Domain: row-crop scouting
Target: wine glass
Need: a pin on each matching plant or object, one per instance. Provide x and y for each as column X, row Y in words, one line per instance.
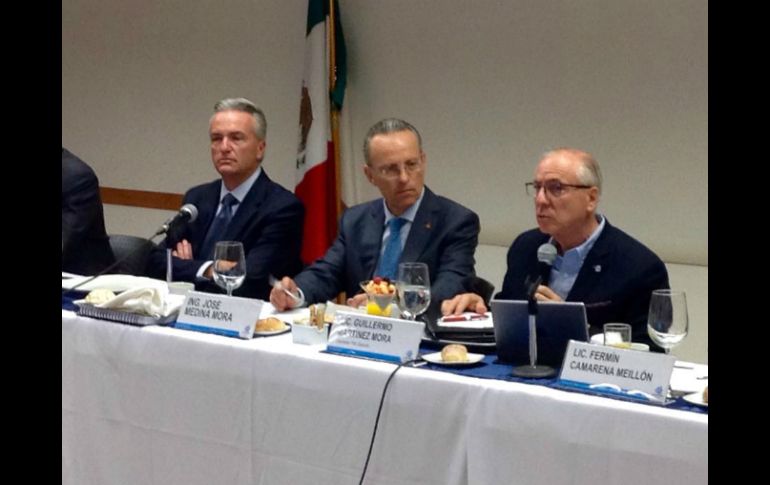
column 413, row 286
column 667, row 320
column 229, row 265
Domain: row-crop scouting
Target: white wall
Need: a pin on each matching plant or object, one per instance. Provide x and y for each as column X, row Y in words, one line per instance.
column 491, row 84
column 140, row 79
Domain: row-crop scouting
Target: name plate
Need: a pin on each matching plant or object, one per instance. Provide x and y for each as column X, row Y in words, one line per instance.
column 375, row 337
column 232, row 316
column 627, row 373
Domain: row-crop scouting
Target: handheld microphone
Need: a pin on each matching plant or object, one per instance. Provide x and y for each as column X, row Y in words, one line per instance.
column 187, row 213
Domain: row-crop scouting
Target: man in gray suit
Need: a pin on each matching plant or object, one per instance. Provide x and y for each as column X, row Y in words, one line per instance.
column 427, row 227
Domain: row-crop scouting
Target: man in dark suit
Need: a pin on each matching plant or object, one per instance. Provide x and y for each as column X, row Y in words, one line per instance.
column 596, row 263
column 85, row 247
column 432, row 229
column 245, row 205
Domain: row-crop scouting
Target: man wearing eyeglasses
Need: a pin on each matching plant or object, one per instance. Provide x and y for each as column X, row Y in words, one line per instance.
column 596, row 263
column 409, row 224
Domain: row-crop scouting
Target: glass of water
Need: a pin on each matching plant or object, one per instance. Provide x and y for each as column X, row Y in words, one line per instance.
column 413, row 286
column 229, row 265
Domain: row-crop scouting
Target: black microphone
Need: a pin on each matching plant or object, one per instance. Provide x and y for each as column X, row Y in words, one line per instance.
column 546, row 254
column 187, row 213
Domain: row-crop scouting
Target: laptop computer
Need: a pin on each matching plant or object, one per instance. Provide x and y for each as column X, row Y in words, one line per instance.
column 557, row 324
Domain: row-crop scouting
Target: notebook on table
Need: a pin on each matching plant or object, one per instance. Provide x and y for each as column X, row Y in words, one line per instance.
column 470, row 329
column 557, row 323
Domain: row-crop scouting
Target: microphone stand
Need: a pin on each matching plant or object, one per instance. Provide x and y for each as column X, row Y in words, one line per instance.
column 533, row 371
column 107, row 269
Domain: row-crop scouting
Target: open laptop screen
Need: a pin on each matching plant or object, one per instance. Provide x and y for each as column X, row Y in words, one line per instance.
column 557, row 323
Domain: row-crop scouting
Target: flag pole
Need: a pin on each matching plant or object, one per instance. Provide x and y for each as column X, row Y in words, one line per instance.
column 333, row 111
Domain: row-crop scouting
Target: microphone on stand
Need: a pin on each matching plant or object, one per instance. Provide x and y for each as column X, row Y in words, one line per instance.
column 186, row 213
column 546, row 254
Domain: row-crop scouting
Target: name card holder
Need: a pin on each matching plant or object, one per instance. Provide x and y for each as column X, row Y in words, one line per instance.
column 375, row 337
column 624, row 373
column 231, row 316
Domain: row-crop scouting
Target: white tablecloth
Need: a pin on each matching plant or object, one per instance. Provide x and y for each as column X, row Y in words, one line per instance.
column 158, row 405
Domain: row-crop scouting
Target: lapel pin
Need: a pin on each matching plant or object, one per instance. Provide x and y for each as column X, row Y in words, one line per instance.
column 598, row 268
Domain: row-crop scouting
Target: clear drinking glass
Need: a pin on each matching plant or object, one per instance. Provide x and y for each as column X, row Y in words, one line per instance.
column 667, row 320
column 229, row 265
column 617, row 335
column 413, row 286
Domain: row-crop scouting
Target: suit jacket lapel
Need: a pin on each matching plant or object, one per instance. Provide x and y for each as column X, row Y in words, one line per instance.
column 248, row 208
column 595, row 264
column 422, row 228
column 207, row 209
column 371, row 238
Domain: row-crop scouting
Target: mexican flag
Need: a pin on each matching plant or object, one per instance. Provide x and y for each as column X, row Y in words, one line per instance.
column 323, row 89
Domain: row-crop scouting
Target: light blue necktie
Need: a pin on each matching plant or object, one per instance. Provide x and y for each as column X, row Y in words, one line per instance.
column 218, row 227
column 388, row 266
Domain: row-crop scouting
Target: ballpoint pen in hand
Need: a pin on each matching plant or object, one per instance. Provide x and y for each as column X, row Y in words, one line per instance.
column 276, row 283
column 464, row 318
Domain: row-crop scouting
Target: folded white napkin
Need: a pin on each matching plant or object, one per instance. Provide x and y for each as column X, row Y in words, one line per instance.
column 154, row 300
column 332, row 308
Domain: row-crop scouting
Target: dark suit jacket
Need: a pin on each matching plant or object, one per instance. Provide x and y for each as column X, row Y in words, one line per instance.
column 444, row 235
column 85, row 247
column 615, row 282
column 268, row 222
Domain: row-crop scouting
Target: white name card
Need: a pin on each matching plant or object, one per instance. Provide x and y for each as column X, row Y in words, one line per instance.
column 635, row 374
column 220, row 314
column 375, row 337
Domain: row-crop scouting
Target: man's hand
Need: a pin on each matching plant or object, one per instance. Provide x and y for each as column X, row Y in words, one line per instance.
column 357, row 301
column 462, row 302
column 222, row 265
column 279, row 297
column 543, row 293
column 183, row 250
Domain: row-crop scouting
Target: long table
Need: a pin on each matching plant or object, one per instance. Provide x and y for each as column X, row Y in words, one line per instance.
column 158, row 405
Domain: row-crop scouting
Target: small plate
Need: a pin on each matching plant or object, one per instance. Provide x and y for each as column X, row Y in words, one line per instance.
column 287, row 328
column 435, row 358
column 696, row 398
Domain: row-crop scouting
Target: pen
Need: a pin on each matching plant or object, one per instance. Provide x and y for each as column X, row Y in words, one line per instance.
column 463, row 318
column 275, row 283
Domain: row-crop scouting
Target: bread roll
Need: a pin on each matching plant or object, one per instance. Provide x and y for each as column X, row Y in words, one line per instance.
column 454, row 353
column 269, row 324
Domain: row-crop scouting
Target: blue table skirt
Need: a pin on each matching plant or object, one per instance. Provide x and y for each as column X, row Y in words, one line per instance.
column 491, row 368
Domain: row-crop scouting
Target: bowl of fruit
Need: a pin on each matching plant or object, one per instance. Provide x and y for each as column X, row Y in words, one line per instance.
column 380, row 292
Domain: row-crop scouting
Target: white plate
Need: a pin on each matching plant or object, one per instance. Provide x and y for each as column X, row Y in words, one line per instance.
column 435, row 358
column 274, row 332
column 696, row 398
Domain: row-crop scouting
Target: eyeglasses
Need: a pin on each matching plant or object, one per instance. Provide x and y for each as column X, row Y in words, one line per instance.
column 394, row 171
column 553, row 188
